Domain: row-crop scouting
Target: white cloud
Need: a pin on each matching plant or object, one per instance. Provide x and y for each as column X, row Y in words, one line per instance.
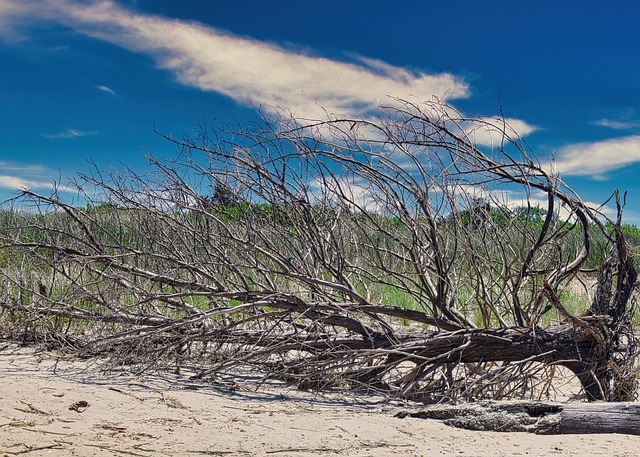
column 597, row 158
column 69, row 133
column 491, row 131
column 106, row 89
column 10, row 13
column 23, row 168
column 19, row 176
column 18, row 183
column 354, row 192
column 617, row 125
column 519, row 198
column 245, row 69
column 255, row 72
column 539, row 199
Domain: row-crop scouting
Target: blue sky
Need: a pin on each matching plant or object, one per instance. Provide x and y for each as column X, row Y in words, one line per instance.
column 84, row 80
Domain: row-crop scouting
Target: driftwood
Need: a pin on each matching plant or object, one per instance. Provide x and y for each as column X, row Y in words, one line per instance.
column 542, row 418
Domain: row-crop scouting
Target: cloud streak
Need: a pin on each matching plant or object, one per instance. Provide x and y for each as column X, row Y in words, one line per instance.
column 249, row 71
column 617, row 125
column 106, row 89
column 70, row 133
column 18, row 176
column 19, row 183
column 491, row 131
column 597, row 158
column 244, row 69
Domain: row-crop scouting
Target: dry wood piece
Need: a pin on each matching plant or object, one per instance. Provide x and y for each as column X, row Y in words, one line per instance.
column 537, row 417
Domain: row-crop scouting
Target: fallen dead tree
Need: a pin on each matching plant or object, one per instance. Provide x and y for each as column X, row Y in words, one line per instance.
column 537, row 417
column 395, row 256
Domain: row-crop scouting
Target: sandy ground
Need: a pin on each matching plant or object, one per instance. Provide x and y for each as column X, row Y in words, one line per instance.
column 51, row 407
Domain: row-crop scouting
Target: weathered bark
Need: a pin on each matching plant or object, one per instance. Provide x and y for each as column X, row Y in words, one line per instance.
column 538, row 417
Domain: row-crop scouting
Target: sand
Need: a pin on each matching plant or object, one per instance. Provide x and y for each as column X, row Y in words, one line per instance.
column 53, row 407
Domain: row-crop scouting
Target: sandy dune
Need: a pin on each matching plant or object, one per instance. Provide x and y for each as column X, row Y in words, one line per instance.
column 52, row 407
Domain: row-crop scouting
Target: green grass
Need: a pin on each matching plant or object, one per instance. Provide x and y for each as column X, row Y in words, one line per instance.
column 365, row 248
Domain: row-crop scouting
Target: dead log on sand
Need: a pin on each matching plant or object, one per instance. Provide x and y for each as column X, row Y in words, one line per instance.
column 543, row 418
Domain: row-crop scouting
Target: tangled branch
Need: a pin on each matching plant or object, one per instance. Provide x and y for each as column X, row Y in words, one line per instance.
column 396, row 255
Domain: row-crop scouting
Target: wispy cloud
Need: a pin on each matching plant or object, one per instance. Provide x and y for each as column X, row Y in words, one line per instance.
column 106, row 89
column 21, row 167
column 19, row 176
column 245, row 69
column 17, row 183
column 516, row 198
column 250, row 71
column 597, row 158
column 70, row 133
column 355, row 192
column 491, row 131
column 618, row 125
column 12, row 13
